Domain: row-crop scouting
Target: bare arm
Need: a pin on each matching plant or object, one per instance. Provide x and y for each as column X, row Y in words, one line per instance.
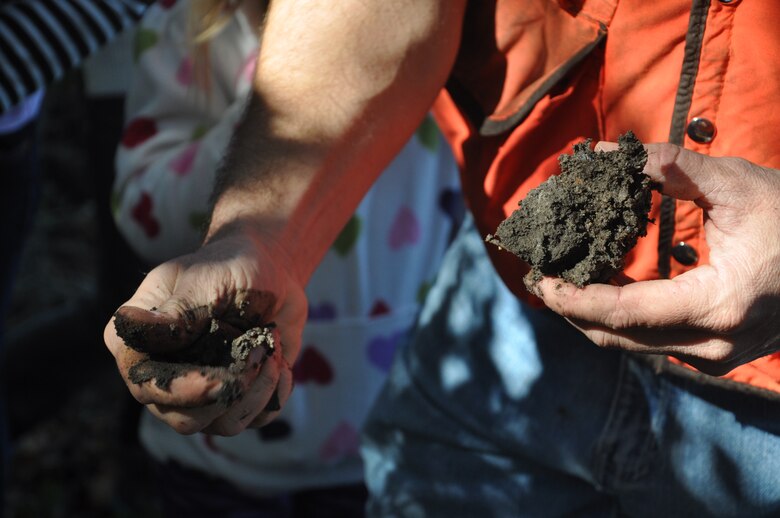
column 340, row 86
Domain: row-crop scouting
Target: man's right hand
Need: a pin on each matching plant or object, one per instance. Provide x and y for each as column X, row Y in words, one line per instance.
column 237, row 279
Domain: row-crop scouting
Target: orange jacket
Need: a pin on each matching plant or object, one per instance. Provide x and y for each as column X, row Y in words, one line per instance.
column 534, row 77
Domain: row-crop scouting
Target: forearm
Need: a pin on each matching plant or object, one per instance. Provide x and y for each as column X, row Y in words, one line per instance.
column 339, row 89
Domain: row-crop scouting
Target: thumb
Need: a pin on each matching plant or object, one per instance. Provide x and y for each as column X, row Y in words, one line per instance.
column 162, row 330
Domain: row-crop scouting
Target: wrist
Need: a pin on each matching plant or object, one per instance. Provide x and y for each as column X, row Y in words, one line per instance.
column 257, row 233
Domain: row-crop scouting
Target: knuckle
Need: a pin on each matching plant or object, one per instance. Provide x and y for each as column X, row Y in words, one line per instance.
column 185, row 426
column 227, row 427
column 667, row 155
column 621, row 319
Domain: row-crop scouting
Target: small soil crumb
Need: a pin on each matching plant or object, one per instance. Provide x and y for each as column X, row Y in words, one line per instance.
column 221, row 353
column 580, row 224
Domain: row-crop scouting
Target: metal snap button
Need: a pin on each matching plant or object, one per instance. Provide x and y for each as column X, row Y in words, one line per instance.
column 685, row 254
column 701, row 130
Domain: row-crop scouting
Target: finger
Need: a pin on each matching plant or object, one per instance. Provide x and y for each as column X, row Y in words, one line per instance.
column 684, row 301
column 605, row 146
column 112, row 340
column 710, row 354
column 189, row 381
column 289, row 318
column 652, row 341
column 157, row 331
column 186, row 421
column 283, row 392
column 201, row 386
column 254, row 400
column 230, row 405
column 688, row 175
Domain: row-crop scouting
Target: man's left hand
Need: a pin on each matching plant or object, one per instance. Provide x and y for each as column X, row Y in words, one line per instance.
column 717, row 316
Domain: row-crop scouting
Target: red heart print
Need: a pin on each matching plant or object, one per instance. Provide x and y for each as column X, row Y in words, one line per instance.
column 142, row 214
column 312, row 366
column 138, row 131
column 380, row 307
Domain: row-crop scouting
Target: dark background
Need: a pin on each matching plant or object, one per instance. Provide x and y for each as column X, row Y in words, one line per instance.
column 72, row 419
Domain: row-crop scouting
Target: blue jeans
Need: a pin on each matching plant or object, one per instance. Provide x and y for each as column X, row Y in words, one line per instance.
column 498, row 409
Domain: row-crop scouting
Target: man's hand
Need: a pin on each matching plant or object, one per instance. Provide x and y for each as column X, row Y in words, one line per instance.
column 239, row 282
column 714, row 317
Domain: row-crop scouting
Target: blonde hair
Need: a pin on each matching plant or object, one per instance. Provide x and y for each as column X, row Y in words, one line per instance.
column 207, row 18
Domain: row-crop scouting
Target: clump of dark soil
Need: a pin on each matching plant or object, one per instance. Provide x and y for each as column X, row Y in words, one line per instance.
column 220, row 352
column 580, row 224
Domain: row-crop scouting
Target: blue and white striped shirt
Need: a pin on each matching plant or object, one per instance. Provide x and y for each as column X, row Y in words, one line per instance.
column 40, row 40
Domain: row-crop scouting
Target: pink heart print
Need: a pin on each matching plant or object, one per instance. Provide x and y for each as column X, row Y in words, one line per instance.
column 182, row 164
column 184, row 74
column 138, row 131
column 405, row 229
column 247, row 70
column 343, row 442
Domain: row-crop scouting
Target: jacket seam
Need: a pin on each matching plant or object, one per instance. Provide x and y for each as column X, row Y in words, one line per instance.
column 492, row 127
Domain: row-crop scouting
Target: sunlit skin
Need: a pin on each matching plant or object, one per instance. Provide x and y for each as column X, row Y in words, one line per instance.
column 329, row 78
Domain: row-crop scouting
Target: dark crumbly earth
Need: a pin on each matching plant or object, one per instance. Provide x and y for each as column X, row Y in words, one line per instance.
column 222, row 352
column 580, row 224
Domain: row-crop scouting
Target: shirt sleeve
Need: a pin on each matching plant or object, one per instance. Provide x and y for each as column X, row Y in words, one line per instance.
column 175, row 134
column 40, row 40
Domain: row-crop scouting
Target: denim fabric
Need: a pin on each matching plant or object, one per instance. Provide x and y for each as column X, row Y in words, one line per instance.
column 498, row 409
